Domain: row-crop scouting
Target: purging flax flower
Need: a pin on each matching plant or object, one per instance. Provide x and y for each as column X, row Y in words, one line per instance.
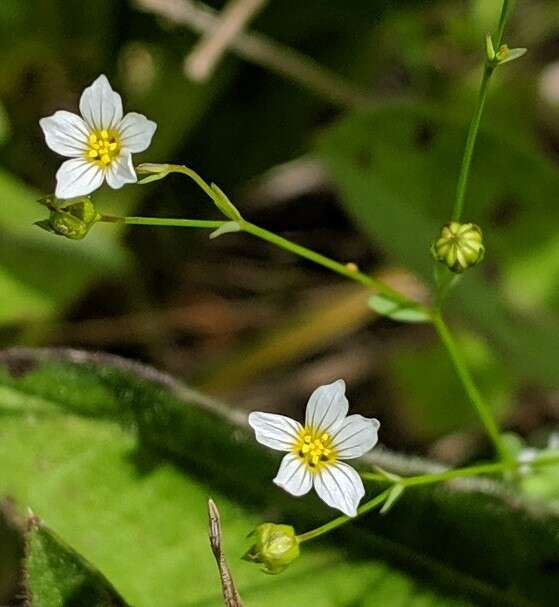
column 99, row 143
column 315, row 450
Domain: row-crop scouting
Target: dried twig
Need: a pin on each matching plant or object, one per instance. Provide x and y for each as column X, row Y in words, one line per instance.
column 202, row 60
column 263, row 51
column 230, row 594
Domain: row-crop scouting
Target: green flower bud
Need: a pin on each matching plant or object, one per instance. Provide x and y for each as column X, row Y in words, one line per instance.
column 276, row 547
column 459, row 246
column 73, row 220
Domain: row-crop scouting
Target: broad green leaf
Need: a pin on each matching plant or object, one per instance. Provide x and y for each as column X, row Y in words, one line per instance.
column 116, row 457
column 396, row 168
column 57, row 576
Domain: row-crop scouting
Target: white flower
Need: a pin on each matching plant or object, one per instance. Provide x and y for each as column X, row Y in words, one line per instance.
column 100, row 142
column 315, row 450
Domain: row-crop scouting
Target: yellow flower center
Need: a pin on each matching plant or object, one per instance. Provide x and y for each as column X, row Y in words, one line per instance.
column 104, row 147
column 314, row 448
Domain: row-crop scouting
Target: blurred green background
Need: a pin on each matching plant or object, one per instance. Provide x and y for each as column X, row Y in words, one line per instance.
column 339, row 125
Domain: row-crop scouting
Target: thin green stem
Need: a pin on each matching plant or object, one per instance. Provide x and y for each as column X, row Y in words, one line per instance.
column 505, row 12
column 542, row 460
column 178, row 223
column 481, row 407
column 345, row 270
column 471, row 144
column 324, row 261
column 476, row 120
column 279, row 241
column 342, row 520
column 447, row 475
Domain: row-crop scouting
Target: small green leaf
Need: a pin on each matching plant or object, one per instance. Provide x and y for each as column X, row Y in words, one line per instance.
column 396, row 310
column 224, row 204
column 489, row 48
column 226, row 228
column 57, row 576
column 392, row 498
column 389, row 476
column 505, row 54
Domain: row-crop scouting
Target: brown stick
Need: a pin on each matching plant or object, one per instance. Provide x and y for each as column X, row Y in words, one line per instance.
column 230, row 594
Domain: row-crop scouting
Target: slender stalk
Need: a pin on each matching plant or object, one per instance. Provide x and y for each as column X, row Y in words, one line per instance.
column 470, row 145
column 178, row 223
column 324, row 261
column 505, row 12
column 447, row 475
column 284, row 243
column 476, row 120
column 477, row 400
column 342, row 520
column 544, row 459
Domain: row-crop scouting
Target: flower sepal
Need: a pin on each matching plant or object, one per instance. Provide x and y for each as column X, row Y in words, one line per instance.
column 73, row 220
column 153, row 171
column 275, row 547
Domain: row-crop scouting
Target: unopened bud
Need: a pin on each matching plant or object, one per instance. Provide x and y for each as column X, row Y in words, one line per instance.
column 276, row 546
column 73, row 220
column 459, row 246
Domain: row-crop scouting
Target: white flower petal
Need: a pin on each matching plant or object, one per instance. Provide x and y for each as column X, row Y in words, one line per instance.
column 121, row 171
column 274, row 431
column 355, row 436
column 136, row 132
column 100, row 106
column 77, row 177
column 65, row 133
column 341, row 487
column 327, row 406
column 294, row 476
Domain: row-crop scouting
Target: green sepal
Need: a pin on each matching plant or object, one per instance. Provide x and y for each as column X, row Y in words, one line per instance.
column 153, row 172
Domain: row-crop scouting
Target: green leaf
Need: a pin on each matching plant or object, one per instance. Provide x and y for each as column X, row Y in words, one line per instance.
column 393, row 497
column 227, row 228
column 396, row 168
column 398, row 311
column 224, row 204
column 120, row 461
column 57, row 576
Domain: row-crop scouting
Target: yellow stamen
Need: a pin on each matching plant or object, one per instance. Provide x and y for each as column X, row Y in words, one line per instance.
column 104, row 147
column 314, row 449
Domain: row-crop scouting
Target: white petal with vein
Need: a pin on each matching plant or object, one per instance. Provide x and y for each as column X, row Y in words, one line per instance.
column 355, row 436
column 136, row 132
column 121, row 171
column 275, row 431
column 65, row 133
column 294, row 476
column 77, row 177
column 327, row 407
column 341, row 487
column 100, row 106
